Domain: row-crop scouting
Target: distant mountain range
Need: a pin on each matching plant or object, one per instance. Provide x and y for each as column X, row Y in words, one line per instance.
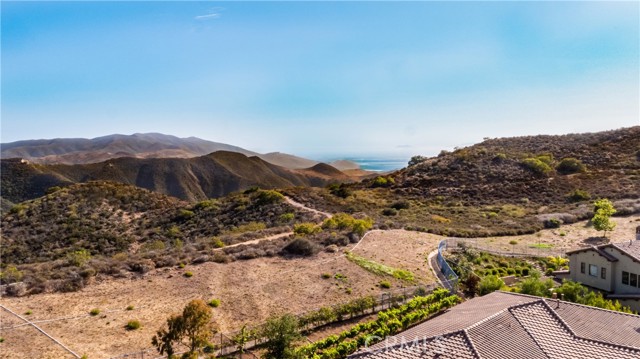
column 140, row 145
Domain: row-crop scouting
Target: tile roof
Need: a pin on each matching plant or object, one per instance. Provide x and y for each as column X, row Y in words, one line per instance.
column 464, row 315
column 494, row 338
column 508, row 325
column 599, row 249
column 453, row 345
column 599, row 324
column 631, row 248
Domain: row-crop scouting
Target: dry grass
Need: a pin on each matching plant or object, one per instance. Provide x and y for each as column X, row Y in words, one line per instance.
column 249, row 291
column 566, row 237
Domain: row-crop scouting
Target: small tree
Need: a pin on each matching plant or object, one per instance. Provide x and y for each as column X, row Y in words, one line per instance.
column 416, row 159
column 193, row 328
column 241, row 339
column 602, row 218
column 513, row 245
column 489, row 284
column 281, row 334
column 471, row 285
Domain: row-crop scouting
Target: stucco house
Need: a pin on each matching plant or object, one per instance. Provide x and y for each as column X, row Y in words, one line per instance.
column 613, row 268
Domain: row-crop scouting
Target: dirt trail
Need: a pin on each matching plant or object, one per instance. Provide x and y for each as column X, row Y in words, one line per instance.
column 303, row 207
column 280, row 235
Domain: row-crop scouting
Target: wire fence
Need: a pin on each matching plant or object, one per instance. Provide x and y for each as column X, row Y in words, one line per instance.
column 227, row 343
column 516, row 250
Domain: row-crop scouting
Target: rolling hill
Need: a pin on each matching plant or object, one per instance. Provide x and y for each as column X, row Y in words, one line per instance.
column 210, row 176
column 500, row 186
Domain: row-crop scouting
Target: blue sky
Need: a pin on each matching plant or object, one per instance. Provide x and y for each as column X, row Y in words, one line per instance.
column 320, row 78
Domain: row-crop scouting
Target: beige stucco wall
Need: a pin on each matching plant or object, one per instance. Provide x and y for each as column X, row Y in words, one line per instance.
column 591, row 257
column 624, row 263
column 634, row 304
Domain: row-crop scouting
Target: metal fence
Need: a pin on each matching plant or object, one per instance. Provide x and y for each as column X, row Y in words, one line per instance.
column 450, row 277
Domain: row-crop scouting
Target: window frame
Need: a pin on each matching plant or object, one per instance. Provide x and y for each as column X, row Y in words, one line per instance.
column 633, row 280
column 627, row 275
column 594, row 270
column 603, row 273
column 582, row 267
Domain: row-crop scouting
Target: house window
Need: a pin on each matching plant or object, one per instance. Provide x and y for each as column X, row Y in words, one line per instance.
column 633, row 279
column 593, row 270
column 582, row 267
column 603, row 273
column 625, row 277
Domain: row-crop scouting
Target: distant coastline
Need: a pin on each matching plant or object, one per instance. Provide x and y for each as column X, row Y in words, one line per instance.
column 378, row 164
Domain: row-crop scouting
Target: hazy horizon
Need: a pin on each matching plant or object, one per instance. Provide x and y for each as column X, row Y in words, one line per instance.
column 316, row 79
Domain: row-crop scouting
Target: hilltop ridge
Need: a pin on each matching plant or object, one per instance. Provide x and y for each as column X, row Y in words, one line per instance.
column 192, row 179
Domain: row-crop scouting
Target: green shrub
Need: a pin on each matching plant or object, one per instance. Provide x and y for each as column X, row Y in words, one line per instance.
column 188, row 274
column 130, row 307
column 156, row 245
column 341, row 190
column 28, row 312
column 489, row 284
column 578, row 195
column 403, row 204
column 306, row 228
column 215, row 303
column 385, row 284
column 133, row 325
column 326, row 275
column 552, row 223
column 389, row 212
column 94, row 312
column 571, row 165
column 264, row 197
column 287, row 217
column 536, row 166
column 184, row 214
column 205, row 204
column 382, row 181
column 79, row 258
column 217, row 242
column 546, row 158
column 11, row 274
column 301, row 247
column 499, row 157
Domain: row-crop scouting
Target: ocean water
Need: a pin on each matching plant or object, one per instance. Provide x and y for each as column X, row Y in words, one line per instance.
column 380, row 164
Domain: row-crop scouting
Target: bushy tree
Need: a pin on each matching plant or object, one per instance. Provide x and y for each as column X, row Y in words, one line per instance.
column 471, row 285
column 535, row 286
column 602, row 217
column 193, row 328
column 416, row 159
column 281, row 333
column 489, row 284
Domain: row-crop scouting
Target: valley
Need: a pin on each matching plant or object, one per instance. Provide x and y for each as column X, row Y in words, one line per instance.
column 95, row 246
